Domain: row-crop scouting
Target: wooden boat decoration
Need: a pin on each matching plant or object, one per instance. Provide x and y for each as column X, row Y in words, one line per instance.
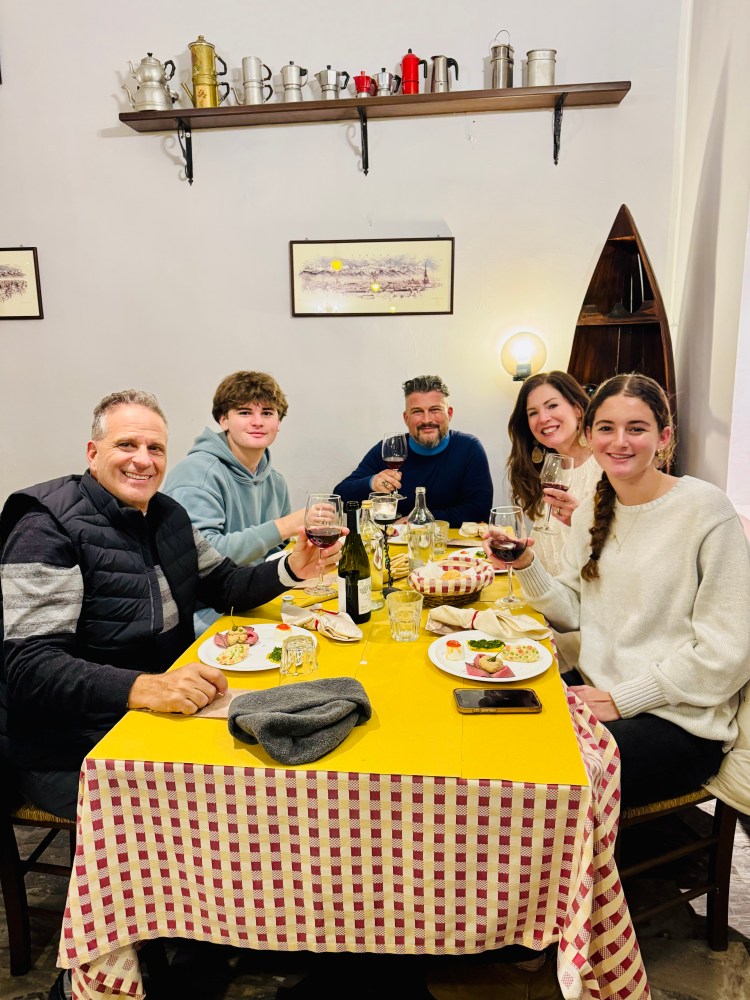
column 623, row 325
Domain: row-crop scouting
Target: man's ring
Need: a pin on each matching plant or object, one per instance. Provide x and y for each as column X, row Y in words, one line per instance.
column 558, row 511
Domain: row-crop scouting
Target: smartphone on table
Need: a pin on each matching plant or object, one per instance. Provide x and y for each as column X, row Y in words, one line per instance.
column 496, row 701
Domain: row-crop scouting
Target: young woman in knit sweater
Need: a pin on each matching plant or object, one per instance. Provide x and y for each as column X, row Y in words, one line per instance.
column 656, row 575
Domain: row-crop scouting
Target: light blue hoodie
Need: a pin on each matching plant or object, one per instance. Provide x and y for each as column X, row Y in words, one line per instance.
column 233, row 508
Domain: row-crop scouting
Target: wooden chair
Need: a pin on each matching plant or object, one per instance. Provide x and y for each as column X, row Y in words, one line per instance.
column 14, row 868
column 717, row 845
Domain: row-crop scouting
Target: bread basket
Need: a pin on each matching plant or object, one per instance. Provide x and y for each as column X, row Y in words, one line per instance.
column 476, row 574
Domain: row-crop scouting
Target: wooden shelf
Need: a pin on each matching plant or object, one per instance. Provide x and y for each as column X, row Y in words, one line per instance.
column 363, row 110
column 648, row 313
column 466, row 102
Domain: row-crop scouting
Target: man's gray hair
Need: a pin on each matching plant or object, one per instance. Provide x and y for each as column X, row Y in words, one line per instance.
column 425, row 383
column 126, row 397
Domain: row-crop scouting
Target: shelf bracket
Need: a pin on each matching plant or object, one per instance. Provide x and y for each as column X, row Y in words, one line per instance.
column 363, row 129
column 185, row 138
column 557, row 126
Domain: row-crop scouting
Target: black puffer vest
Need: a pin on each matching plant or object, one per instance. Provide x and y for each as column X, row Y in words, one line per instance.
column 121, row 616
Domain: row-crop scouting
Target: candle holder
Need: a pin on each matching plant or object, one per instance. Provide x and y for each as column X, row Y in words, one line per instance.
column 385, row 512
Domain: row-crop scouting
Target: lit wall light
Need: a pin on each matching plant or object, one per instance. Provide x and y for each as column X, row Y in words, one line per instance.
column 523, row 354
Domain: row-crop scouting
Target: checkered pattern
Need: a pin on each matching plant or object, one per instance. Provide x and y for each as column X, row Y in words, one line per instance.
column 327, row 861
column 477, row 574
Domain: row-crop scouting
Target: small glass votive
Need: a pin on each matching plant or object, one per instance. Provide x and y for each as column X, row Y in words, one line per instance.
column 440, row 538
column 384, row 506
column 404, row 614
column 299, row 658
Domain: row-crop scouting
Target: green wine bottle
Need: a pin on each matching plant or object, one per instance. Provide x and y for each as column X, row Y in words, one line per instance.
column 355, row 585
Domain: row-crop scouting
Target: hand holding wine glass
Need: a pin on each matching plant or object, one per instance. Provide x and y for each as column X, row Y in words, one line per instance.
column 324, row 523
column 394, row 451
column 557, row 474
column 507, row 542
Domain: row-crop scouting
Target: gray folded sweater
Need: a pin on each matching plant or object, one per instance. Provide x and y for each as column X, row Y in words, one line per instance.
column 301, row 722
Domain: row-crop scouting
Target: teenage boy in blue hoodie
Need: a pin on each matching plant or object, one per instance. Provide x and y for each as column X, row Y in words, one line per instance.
column 227, row 484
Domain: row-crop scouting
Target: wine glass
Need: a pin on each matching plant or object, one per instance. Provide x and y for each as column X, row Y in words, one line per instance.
column 324, row 519
column 394, row 450
column 557, row 472
column 507, row 538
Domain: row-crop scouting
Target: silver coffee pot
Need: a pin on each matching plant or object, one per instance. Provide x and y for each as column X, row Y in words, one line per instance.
column 440, row 83
column 502, row 62
column 332, row 82
column 255, row 81
column 294, row 79
column 152, row 77
column 388, row 83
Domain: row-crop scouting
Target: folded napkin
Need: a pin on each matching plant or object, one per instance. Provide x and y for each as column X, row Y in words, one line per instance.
column 302, row 722
column 502, row 624
column 330, row 624
column 472, row 529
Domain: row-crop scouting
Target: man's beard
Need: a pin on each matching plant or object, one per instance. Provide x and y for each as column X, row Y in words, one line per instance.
column 442, row 431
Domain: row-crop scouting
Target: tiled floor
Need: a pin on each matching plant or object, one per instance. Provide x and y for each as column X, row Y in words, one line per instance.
column 679, row 963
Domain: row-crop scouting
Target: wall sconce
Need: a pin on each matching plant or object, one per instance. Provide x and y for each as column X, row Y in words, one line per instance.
column 523, row 354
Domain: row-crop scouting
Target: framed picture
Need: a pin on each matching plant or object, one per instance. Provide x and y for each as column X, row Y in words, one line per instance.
column 20, row 291
column 372, row 277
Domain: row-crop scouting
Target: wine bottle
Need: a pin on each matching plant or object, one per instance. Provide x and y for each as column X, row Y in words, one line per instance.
column 420, row 526
column 372, row 539
column 355, row 585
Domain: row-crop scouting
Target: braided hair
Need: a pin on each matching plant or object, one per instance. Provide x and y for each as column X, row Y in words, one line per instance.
column 523, row 474
column 651, row 393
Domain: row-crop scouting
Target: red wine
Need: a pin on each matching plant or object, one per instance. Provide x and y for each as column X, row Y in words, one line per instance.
column 394, row 463
column 324, row 535
column 555, row 486
column 507, row 549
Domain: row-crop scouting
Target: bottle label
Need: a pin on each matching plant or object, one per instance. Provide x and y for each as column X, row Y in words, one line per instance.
column 362, row 596
column 365, row 596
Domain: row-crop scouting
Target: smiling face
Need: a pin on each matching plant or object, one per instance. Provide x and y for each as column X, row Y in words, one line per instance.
column 131, row 458
column 428, row 417
column 250, row 430
column 553, row 420
column 625, row 437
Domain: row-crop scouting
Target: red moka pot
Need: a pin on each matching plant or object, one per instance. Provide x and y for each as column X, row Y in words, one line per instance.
column 364, row 85
column 410, row 72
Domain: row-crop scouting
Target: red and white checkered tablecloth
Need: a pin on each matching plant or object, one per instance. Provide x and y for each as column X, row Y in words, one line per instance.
column 327, row 861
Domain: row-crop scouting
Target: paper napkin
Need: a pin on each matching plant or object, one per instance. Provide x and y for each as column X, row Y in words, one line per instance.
column 502, row 624
column 333, row 625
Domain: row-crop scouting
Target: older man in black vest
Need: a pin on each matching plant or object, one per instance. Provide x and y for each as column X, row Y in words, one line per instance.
column 100, row 575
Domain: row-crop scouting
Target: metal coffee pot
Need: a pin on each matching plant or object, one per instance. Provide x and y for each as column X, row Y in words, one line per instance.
column 294, row 79
column 410, row 72
column 206, row 89
column 364, row 85
column 332, row 82
column 387, row 83
column 502, row 62
column 440, row 82
column 254, row 82
column 152, row 77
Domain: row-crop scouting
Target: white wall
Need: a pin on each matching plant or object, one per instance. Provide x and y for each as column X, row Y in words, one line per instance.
column 151, row 283
column 712, row 228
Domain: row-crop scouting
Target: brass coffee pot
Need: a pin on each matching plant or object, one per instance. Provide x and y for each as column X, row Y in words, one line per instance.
column 205, row 92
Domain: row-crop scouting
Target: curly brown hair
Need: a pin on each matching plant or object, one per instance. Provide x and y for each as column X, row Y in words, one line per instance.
column 241, row 388
column 523, row 475
column 651, row 393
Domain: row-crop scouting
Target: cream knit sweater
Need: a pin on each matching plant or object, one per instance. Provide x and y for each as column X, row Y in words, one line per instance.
column 666, row 627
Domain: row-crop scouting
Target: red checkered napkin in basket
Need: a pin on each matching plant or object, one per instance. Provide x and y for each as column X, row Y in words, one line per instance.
column 475, row 574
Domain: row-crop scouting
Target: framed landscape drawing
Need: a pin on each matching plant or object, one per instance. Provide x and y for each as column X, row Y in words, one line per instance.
column 372, row 277
column 20, row 291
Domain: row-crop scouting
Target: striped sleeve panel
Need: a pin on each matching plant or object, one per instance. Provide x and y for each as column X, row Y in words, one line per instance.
column 208, row 557
column 39, row 599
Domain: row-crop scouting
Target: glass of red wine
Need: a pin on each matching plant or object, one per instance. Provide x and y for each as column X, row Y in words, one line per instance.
column 324, row 520
column 507, row 538
column 394, row 450
column 557, row 473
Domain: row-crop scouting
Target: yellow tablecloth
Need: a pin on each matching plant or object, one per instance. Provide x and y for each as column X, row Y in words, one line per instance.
column 425, row 832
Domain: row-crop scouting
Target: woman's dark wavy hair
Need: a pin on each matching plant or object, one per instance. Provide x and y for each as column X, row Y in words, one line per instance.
column 523, row 475
column 651, row 393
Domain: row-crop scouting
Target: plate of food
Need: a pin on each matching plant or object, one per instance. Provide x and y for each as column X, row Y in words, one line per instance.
column 397, row 533
column 476, row 554
column 248, row 648
column 478, row 656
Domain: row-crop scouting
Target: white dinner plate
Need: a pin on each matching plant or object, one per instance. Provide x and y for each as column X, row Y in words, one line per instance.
column 269, row 636
column 521, row 671
column 397, row 536
column 475, row 553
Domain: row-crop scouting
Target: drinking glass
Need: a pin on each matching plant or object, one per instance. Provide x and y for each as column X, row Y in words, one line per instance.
column 440, row 538
column 557, row 472
column 404, row 614
column 394, row 450
column 298, row 658
column 507, row 538
column 324, row 520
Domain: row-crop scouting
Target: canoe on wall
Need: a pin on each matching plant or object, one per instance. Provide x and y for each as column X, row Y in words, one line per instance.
column 623, row 326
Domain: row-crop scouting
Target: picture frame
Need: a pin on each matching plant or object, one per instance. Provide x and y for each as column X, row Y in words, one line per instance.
column 20, row 290
column 375, row 277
